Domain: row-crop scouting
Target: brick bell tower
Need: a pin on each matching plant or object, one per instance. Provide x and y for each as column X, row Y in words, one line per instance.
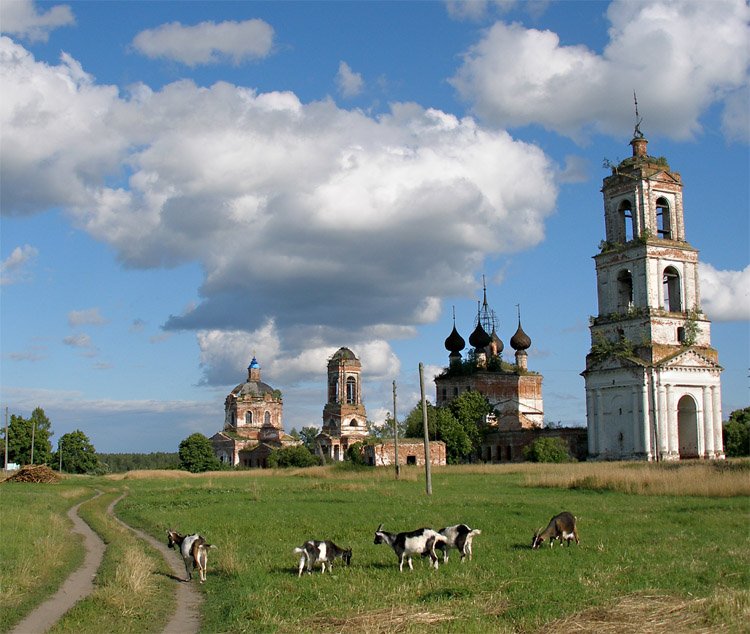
column 653, row 389
column 344, row 416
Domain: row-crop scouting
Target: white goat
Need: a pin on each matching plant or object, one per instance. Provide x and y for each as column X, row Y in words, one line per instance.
column 562, row 526
column 194, row 551
column 418, row 542
column 325, row 552
column 459, row 537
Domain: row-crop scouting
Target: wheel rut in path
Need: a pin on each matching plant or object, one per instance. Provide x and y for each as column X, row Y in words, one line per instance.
column 186, row 619
column 78, row 585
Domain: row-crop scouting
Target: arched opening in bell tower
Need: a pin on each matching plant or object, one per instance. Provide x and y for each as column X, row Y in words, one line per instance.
column 626, row 216
column 351, row 390
column 671, row 286
column 663, row 222
column 624, row 290
column 687, row 427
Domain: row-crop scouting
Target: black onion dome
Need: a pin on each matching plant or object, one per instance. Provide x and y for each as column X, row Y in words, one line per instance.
column 454, row 342
column 520, row 341
column 479, row 338
column 498, row 342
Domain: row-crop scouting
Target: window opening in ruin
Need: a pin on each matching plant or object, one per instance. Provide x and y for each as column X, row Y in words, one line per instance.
column 680, row 334
column 333, row 389
column 671, row 285
column 353, row 423
column 267, row 417
column 351, row 390
column 624, row 290
column 411, row 460
column 663, row 224
column 248, row 418
column 626, row 213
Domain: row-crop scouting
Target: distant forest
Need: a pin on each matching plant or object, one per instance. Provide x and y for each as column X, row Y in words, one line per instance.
column 121, row 462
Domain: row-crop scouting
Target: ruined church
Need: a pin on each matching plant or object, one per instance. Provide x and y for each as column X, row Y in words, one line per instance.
column 514, row 391
column 653, row 388
column 252, row 423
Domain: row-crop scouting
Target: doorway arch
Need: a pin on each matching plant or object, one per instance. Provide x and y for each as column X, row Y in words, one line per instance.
column 687, row 427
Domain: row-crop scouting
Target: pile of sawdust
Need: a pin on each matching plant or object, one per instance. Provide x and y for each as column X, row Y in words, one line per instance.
column 40, row 473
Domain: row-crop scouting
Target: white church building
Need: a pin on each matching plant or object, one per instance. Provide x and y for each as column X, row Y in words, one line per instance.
column 653, row 387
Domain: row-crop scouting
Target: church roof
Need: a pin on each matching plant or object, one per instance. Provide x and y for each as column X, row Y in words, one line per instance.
column 345, row 354
column 252, row 388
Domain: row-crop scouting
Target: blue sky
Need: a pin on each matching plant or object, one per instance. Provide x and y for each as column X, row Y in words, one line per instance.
column 185, row 185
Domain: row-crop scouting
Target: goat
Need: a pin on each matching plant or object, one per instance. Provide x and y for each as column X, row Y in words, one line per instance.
column 419, row 542
column 459, row 537
column 561, row 526
column 194, row 551
column 325, row 552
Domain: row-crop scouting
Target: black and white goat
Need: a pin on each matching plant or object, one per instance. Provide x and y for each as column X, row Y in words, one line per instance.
column 325, row 552
column 561, row 526
column 459, row 537
column 419, row 542
column 194, row 551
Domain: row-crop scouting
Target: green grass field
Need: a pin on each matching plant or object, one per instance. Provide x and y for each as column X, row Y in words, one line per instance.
column 672, row 559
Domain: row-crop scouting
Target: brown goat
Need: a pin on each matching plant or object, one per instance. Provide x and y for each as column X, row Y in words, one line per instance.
column 561, row 526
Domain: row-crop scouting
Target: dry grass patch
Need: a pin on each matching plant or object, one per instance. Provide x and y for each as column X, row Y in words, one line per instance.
column 725, row 611
column 684, row 478
column 395, row 619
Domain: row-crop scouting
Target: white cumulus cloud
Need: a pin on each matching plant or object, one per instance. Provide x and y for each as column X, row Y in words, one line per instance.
column 22, row 19
column 14, row 268
column 328, row 223
column 89, row 316
column 207, row 42
column 725, row 295
column 681, row 57
column 349, row 83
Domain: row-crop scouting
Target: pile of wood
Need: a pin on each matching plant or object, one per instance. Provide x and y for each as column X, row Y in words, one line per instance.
column 35, row 473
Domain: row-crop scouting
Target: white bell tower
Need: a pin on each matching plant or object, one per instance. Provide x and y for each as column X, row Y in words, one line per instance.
column 653, row 388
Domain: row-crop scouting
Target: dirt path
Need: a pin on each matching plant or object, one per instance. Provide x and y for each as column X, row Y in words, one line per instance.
column 186, row 619
column 77, row 586
column 80, row 583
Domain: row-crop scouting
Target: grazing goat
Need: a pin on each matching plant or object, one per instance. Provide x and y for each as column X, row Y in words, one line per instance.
column 562, row 527
column 194, row 551
column 459, row 537
column 419, row 542
column 325, row 552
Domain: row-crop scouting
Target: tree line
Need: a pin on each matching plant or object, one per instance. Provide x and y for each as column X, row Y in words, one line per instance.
column 458, row 425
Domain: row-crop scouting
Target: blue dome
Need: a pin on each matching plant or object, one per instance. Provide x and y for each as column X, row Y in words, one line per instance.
column 253, row 364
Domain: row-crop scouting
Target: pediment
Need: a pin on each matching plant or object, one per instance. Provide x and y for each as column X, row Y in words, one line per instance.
column 689, row 359
column 616, row 362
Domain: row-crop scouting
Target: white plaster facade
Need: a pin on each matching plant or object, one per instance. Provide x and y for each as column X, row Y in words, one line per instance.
column 653, row 387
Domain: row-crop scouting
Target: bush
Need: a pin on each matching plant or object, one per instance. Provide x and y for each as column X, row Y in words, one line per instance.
column 737, row 434
column 197, row 454
column 295, row 456
column 356, row 453
column 547, row 450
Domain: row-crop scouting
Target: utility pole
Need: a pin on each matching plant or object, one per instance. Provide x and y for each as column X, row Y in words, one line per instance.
column 33, row 433
column 395, row 433
column 6, row 438
column 427, row 472
column 59, row 451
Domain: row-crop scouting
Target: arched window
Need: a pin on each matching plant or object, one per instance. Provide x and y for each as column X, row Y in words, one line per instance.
column 267, row 418
column 248, row 418
column 333, row 390
column 663, row 223
column 351, row 390
column 672, row 295
column 353, row 423
column 626, row 215
column 624, row 290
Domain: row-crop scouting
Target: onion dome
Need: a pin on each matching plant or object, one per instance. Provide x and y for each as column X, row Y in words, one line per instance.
column 454, row 342
column 479, row 338
column 520, row 340
column 497, row 343
column 254, row 365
